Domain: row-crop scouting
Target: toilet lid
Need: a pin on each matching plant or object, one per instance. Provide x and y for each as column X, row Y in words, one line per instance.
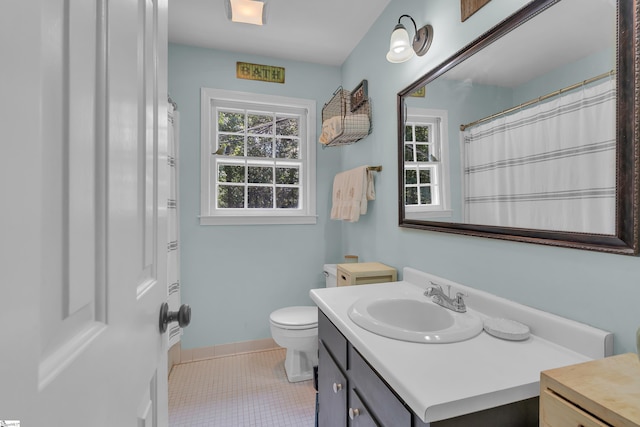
column 299, row 317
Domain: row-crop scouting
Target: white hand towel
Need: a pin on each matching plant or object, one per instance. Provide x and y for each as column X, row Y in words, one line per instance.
column 331, row 128
column 370, row 192
column 351, row 125
column 351, row 191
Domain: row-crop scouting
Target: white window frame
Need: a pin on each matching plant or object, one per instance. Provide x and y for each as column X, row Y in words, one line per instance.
column 209, row 214
column 440, row 120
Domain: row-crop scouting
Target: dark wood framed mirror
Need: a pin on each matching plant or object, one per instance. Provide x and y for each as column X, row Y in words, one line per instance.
column 533, row 60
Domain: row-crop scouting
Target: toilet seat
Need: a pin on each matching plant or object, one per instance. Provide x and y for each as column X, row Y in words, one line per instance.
column 298, row 317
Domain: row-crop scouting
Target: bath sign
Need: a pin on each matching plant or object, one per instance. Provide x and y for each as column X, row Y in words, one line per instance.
column 263, row 73
column 419, row 93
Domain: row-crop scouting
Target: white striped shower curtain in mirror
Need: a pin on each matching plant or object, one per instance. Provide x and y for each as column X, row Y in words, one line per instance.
column 551, row 166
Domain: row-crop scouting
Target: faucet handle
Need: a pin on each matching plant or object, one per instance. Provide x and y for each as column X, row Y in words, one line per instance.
column 459, row 302
column 435, row 285
column 459, row 296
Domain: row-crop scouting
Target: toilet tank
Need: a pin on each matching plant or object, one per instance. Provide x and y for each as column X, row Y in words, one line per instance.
column 331, row 275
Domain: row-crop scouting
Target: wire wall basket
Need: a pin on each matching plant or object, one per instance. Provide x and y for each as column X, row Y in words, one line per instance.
column 346, row 118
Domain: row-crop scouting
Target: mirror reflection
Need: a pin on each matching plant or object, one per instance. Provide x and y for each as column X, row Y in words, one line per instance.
column 521, row 134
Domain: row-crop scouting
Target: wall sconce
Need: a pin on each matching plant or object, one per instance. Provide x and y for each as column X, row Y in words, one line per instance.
column 246, row 11
column 401, row 50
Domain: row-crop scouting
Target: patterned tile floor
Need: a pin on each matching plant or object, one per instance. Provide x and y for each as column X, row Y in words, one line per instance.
column 246, row 390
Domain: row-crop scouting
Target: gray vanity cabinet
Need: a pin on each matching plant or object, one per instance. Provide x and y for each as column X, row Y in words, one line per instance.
column 350, row 392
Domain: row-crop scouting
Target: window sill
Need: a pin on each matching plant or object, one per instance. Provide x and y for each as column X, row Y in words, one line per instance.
column 259, row 220
column 428, row 214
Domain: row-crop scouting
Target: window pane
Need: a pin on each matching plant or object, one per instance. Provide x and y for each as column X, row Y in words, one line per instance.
column 411, row 196
column 287, row 126
column 230, row 122
column 233, row 145
column 410, row 177
column 408, row 153
column 422, row 152
column 228, row 173
column 260, row 197
column 422, row 134
column 260, row 123
column 287, row 176
column 287, row 198
column 230, row 196
column 260, row 175
column 425, row 176
column 287, row 148
column 259, row 147
column 425, row 195
column 408, row 133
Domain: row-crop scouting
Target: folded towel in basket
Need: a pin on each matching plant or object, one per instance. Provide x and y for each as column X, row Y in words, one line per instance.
column 350, row 125
column 351, row 191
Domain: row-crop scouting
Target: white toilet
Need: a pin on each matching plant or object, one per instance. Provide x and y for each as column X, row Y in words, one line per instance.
column 296, row 329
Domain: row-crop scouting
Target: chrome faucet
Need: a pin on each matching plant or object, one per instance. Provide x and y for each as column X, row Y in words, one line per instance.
column 439, row 297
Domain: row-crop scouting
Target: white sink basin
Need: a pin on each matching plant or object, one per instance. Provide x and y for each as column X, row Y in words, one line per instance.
column 414, row 320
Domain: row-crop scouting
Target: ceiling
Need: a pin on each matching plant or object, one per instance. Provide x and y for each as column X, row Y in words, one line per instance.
column 322, row 32
column 545, row 43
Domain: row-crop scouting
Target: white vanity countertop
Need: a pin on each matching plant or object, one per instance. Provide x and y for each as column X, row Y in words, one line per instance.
column 440, row 381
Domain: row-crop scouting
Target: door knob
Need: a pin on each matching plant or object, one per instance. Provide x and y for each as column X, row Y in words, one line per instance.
column 182, row 316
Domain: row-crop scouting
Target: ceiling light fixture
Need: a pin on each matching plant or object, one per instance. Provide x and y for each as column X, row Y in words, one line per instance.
column 246, row 11
column 400, row 49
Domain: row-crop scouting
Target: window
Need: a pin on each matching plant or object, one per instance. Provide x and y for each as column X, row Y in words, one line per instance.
column 426, row 165
column 258, row 159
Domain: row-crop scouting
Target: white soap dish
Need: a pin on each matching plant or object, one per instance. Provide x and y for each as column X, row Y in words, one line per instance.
column 506, row 329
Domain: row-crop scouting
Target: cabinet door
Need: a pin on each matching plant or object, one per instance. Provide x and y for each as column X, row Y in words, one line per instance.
column 359, row 414
column 334, row 341
column 332, row 392
column 384, row 405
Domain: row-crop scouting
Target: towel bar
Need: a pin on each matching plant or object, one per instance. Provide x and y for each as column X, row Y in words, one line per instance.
column 374, row 168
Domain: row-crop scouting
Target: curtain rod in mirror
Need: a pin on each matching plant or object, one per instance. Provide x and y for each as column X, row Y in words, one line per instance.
column 539, row 99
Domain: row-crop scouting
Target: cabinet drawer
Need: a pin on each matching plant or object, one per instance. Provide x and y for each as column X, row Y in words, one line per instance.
column 334, row 341
column 383, row 404
column 359, row 415
column 332, row 391
column 557, row 412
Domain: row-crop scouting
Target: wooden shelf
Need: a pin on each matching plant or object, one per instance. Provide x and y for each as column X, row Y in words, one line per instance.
column 365, row 273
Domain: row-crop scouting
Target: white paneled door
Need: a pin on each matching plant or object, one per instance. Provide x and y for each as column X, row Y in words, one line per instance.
column 83, row 259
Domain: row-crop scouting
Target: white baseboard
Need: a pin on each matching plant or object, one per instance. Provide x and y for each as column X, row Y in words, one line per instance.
column 222, row 350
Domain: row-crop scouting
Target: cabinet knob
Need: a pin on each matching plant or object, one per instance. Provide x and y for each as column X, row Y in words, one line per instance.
column 353, row 413
column 337, row 387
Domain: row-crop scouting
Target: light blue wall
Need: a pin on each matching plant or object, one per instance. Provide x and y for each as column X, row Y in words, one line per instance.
column 581, row 70
column 234, row 276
